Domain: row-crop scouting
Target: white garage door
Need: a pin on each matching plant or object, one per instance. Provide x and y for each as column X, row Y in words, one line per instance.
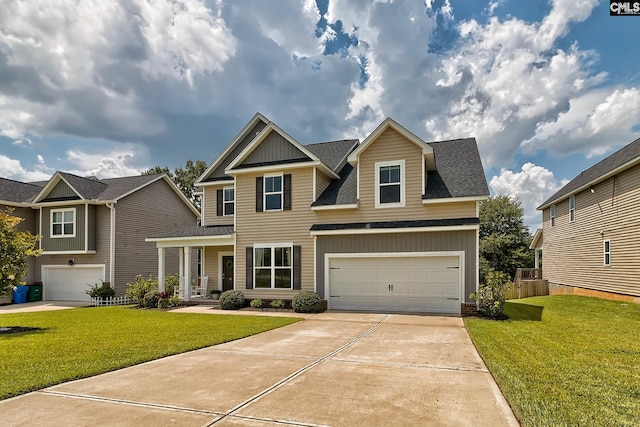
column 407, row 283
column 63, row 283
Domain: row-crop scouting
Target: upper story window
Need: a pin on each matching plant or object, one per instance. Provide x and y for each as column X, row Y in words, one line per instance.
column 273, row 193
column 228, row 201
column 572, row 208
column 552, row 215
column 63, row 222
column 390, row 184
column 273, row 266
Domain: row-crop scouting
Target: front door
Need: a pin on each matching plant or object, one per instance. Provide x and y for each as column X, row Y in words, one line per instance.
column 227, row 273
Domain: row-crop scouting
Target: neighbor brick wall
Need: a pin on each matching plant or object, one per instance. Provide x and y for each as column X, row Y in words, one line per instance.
column 468, row 310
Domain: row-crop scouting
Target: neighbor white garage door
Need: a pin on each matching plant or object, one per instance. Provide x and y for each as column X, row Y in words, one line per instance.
column 63, row 283
column 406, row 283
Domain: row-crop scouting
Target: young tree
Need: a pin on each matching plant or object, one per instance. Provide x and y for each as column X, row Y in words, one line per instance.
column 15, row 246
column 504, row 239
column 184, row 178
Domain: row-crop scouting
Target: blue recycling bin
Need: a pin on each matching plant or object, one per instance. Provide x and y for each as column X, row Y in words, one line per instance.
column 20, row 294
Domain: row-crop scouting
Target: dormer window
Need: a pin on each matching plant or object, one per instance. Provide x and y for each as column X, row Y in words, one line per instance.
column 390, row 184
column 63, row 222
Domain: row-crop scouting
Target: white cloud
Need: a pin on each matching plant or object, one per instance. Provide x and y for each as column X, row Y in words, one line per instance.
column 13, row 169
column 594, row 123
column 532, row 185
column 120, row 161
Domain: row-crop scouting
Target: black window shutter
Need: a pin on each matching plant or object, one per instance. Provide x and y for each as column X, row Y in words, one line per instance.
column 249, row 272
column 286, row 205
column 297, row 276
column 259, row 189
column 219, row 202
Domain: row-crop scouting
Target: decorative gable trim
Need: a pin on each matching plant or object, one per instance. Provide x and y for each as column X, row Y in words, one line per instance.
column 272, row 127
column 427, row 151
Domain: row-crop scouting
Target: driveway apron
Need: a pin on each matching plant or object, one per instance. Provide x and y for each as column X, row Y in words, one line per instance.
column 336, row 369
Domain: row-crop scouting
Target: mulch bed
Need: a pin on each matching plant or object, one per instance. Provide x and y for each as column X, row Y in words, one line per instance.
column 16, row 329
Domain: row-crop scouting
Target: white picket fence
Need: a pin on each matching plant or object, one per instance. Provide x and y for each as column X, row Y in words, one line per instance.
column 99, row 302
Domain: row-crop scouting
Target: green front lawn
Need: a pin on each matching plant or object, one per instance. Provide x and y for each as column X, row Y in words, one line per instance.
column 565, row 360
column 82, row 342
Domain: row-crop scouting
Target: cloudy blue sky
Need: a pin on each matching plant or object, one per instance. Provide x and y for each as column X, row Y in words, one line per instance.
column 547, row 87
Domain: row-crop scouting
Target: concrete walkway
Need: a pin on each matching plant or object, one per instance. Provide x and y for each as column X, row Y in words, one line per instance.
column 337, row 369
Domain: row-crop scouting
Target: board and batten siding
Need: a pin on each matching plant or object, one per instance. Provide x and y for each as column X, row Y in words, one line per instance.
column 152, row 210
column 61, row 189
column 219, row 171
column 274, row 148
column 573, row 252
column 401, row 242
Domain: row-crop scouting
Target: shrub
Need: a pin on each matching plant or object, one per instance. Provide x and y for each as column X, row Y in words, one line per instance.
column 171, row 283
column 150, row 300
column 175, row 301
column 256, row 303
column 163, row 299
column 277, row 303
column 137, row 290
column 306, row 302
column 102, row 291
column 231, row 300
column 491, row 295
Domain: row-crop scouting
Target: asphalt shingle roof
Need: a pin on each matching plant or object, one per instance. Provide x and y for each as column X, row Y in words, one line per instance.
column 343, row 191
column 625, row 155
column 17, row 192
column 333, row 153
column 200, row 231
column 396, row 224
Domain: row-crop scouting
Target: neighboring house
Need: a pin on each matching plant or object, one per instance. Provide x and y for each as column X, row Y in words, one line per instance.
column 390, row 224
column 590, row 236
column 93, row 230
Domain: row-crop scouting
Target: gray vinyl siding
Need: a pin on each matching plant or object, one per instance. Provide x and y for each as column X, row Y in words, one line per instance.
column 62, row 244
column 219, row 171
column 573, row 251
column 61, row 190
column 91, row 228
column 274, row 148
column 149, row 211
column 401, row 242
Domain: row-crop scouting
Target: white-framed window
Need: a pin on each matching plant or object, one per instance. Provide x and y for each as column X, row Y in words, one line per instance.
column 273, row 192
column 273, row 266
column 63, row 222
column 552, row 215
column 390, row 183
column 607, row 252
column 572, row 208
column 228, row 201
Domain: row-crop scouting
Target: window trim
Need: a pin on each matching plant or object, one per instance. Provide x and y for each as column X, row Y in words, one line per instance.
column 377, row 167
column 572, row 210
column 552, row 215
column 264, row 192
column 226, row 202
column 606, row 254
column 74, row 223
column 273, row 267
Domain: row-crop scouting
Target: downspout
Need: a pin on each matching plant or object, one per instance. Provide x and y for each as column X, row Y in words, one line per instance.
column 112, row 245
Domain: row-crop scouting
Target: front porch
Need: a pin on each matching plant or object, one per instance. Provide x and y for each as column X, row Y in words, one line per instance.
column 206, row 261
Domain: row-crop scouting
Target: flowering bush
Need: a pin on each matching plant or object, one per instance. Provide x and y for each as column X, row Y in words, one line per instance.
column 137, row 290
column 164, row 299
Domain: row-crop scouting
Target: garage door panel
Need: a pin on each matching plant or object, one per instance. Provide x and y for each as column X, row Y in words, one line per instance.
column 61, row 283
column 418, row 284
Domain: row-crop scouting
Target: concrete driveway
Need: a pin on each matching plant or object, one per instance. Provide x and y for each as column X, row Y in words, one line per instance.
column 337, row 369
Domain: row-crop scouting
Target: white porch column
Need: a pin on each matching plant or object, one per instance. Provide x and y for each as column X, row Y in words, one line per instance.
column 183, row 287
column 187, row 273
column 160, row 269
column 537, row 254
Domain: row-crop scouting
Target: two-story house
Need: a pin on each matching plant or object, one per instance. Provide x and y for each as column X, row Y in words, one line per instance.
column 93, row 230
column 388, row 224
column 588, row 238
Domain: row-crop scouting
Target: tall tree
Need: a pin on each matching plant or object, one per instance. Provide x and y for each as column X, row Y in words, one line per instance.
column 15, row 246
column 504, row 238
column 184, row 178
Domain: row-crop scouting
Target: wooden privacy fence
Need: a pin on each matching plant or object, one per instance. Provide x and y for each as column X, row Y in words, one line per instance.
column 528, row 283
column 99, row 302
